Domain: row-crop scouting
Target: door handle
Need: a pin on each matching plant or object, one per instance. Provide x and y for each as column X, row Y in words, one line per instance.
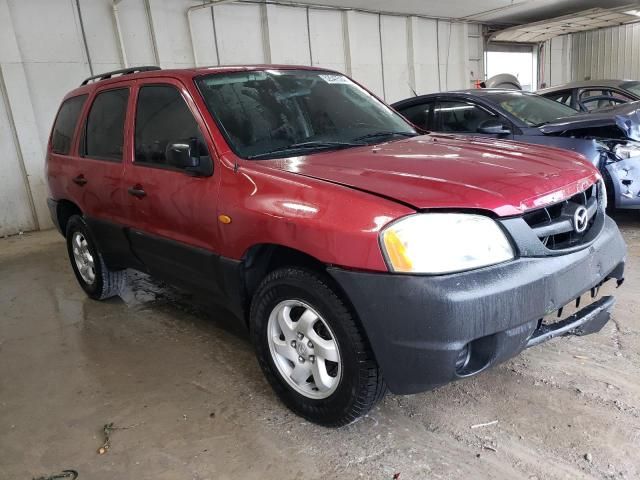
column 137, row 191
column 80, row 180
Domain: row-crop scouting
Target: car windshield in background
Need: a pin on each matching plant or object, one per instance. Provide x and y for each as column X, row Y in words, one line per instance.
column 534, row 110
column 633, row 87
column 280, row 113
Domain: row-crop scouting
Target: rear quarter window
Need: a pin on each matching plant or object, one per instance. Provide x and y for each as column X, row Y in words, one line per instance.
column 65, row 124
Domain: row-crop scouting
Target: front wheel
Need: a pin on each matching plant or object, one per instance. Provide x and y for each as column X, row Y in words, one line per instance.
column 312, row 350
column 95, row 278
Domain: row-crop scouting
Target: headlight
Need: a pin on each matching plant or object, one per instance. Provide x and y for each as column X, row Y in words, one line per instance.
column 628, row 150
column 436, row 243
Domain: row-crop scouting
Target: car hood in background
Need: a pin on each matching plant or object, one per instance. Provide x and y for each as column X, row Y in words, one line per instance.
column 442, row 171
column 626, row 117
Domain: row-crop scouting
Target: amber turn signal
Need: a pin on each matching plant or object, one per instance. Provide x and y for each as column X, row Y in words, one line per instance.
column 226, row 219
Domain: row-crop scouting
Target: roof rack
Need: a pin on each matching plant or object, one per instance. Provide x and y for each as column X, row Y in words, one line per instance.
column 124, row 71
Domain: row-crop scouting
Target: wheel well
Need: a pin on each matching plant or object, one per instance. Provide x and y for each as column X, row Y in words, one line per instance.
column 260, row 260
column 65, row 211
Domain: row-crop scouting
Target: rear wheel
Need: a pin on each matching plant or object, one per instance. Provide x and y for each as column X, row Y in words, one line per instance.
column 92, row 274
column 312, row 350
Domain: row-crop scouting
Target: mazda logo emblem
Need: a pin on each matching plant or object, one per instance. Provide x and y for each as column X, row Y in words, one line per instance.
column 580, row 219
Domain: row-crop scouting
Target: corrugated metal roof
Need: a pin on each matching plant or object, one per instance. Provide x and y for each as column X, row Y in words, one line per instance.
column 591, row 19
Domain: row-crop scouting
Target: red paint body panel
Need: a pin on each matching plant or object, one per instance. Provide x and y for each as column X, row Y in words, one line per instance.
column 334, row 224
column 329, row 205
column 506, row 178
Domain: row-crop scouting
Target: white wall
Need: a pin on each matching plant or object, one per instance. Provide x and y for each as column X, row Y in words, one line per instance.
column 42, row 56
column 555, row 61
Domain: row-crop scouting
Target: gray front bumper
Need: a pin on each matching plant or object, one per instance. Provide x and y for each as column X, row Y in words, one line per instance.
column 418, row 325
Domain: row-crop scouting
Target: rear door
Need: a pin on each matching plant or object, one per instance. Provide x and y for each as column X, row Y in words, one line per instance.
column 98, row 168
column 172, row 213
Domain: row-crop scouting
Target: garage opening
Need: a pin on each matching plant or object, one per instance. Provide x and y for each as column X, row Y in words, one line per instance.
column 518, row 60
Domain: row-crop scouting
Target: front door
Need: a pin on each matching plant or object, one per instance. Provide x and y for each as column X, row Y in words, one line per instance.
column 173, row 225
column 462, row 117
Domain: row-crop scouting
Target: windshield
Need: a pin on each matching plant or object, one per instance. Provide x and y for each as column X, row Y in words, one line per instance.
column 534, row 110
column 278, row 113
column 633, row 87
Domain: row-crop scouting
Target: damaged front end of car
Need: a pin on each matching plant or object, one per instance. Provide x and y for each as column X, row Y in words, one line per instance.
column 620, row 166
column 614, row 148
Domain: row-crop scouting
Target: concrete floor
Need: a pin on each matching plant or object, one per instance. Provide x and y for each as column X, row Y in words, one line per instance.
column 180, row 381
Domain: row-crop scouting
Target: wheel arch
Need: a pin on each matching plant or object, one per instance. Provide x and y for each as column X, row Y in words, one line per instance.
column 64, row 211
column 261, row 259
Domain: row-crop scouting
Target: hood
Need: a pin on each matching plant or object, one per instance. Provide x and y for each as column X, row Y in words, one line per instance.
column 441, row 171
column 626, row 117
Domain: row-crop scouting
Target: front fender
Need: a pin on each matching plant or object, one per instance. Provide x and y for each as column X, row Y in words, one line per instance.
column 332, row 223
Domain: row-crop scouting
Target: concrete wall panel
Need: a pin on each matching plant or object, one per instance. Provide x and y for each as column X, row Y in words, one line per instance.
column 326, row 32
column 239, row 32
column 366, row 55
column 204, row 36
column 425, row 54
column 292, row 48
column 15, row 212
column 395, row 56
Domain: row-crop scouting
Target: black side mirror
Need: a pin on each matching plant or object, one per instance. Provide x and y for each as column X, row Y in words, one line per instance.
column 190, row 155
column 493, row 127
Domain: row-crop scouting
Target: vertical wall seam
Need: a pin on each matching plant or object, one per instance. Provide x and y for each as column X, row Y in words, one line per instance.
column 266, row 41
column 14, row 134
column 152, row 31
column 309, row 38
column 84, row 37
column 118, row 31
column 215, row 35
column 438, row 53
column 347, row 43
column 384, row 89
column 411, row 56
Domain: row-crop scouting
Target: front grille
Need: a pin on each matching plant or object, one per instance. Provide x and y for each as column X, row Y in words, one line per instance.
column 566, row 224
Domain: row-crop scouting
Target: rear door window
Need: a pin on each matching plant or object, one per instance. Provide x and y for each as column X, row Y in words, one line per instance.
column 65, row 124
column 458, row 116
column 162, row 117
column 104, row 131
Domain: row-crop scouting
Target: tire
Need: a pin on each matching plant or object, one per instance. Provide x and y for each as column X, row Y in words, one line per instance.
column 91, row 272
column 347, row 388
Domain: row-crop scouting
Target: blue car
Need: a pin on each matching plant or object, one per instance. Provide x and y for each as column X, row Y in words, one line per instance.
column 609, row 138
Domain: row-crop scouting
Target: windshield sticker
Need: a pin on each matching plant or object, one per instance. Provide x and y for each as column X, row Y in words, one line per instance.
column 336, row 79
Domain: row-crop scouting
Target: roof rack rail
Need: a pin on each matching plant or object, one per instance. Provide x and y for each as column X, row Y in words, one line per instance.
column 124, row 71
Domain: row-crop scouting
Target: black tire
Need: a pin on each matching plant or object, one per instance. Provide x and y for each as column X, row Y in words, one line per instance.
column 107, row 283
column 361, row 385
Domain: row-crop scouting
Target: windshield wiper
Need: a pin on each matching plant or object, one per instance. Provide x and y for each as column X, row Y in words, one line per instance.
column 315, row 145
column 369, row 136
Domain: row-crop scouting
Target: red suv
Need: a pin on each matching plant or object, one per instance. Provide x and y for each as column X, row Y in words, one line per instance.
column 361, row 254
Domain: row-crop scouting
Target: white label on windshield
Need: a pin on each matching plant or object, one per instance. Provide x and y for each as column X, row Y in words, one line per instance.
column 336, row 79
